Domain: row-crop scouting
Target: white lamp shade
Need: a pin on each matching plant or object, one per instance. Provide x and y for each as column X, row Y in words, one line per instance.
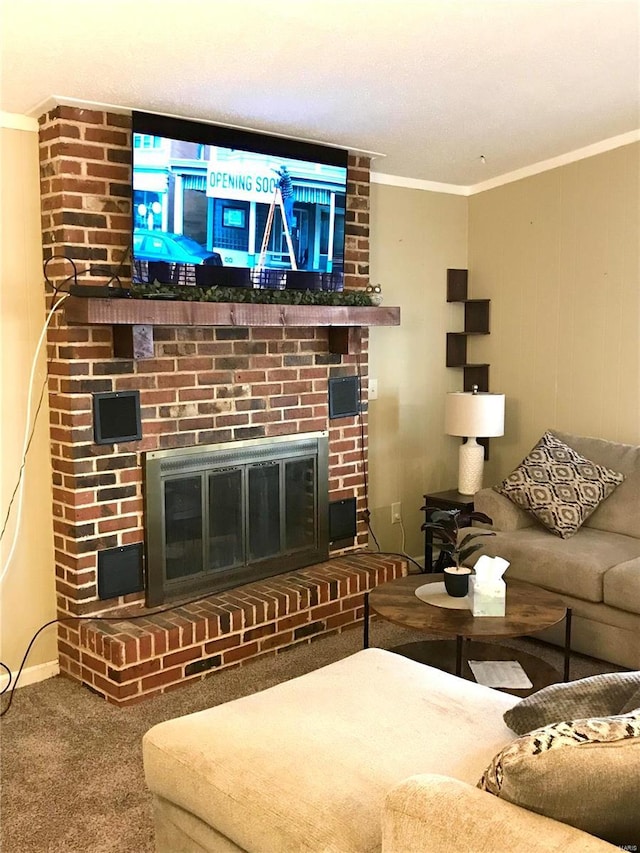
column 474, row 415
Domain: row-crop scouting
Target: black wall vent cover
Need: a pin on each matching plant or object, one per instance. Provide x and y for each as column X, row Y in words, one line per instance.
column 344, row 396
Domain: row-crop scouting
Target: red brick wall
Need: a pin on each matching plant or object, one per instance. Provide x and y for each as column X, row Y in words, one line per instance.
column 203, row 385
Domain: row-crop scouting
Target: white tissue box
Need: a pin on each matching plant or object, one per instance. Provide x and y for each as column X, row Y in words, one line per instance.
column 487, row 600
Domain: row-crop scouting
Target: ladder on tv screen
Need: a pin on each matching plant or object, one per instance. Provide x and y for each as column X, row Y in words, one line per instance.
column 277, row 199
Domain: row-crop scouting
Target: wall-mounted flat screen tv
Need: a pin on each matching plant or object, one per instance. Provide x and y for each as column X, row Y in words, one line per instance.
column 214, row 205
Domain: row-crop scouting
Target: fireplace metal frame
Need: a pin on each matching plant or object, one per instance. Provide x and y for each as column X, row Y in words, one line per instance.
column 159, row 466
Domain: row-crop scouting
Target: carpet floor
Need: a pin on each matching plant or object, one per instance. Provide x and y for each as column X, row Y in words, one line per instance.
column 71, row 764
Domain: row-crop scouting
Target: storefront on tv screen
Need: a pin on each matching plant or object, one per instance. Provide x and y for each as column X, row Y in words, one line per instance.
column 237, row 204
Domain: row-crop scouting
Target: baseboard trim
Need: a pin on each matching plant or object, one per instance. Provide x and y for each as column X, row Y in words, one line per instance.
column 33, row 674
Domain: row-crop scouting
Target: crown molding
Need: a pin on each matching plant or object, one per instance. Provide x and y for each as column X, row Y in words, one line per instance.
column 418, row 184
column 54, row 101
column 62, row 100
column 555, row 162
column 509, row 177
column 17, row 121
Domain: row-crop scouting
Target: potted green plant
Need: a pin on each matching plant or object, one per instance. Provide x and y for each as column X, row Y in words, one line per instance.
column 447, row 524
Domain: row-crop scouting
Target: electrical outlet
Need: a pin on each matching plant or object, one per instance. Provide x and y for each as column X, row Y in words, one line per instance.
column 373, row 389
column 396, row 513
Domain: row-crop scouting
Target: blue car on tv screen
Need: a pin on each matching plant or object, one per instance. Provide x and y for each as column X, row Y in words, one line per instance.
column 171, row 248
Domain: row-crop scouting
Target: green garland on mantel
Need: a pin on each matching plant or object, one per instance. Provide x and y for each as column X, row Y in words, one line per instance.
column 189, row 293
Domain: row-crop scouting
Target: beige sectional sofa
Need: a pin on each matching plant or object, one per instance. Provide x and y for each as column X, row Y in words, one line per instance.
column 597, row 570
column 375, row 752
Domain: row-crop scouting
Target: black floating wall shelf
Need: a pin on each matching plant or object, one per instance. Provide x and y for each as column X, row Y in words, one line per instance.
column 476, row 322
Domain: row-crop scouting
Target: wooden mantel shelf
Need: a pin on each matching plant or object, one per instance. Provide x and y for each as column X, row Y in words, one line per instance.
column 140, row 315
column 155, row 312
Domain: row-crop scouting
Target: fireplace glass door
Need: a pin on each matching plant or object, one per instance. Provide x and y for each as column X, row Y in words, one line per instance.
column 224, row 515
column 226, row 520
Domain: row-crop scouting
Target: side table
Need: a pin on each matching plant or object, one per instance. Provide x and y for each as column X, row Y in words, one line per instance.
column 441, row 500
column 528, row 609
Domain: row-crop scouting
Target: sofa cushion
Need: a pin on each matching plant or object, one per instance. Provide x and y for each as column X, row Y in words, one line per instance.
column 582, row 772
column 597, row 696
column 504, row 514
column 305, row 765
column 632, row 702
column 559, row 486
column 621, row 586
column 621, row 510
column 575, row 567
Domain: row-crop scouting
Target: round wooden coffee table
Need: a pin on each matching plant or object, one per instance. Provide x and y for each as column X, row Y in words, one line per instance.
column 528, row 610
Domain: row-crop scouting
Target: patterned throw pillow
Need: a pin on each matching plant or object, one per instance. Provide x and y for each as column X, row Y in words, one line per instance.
column 585, row 773
column 595, row 696
column 559, row 486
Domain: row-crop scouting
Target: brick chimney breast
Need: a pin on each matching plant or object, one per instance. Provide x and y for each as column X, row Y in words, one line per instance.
column 203, row 385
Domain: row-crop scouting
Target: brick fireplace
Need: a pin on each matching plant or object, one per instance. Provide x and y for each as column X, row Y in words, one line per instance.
column 206, row 382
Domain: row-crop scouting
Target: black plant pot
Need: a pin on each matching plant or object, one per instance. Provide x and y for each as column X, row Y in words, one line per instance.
column 456, row 583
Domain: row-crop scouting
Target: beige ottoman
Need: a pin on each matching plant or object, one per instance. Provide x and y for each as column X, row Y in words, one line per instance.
column 306, row 765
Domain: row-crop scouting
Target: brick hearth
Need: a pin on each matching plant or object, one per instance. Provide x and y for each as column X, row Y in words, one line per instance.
column 203, row 385
column 127, row 661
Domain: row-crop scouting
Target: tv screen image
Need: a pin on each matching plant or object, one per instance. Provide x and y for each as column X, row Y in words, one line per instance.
column 216, row 205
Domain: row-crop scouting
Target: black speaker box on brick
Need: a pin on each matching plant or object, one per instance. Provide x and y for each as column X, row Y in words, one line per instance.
column 116, row 417
column 344, row 396
column 342, row 519
column 120, row 571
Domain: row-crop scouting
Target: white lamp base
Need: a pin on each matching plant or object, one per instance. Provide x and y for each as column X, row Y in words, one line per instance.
column 470, row 465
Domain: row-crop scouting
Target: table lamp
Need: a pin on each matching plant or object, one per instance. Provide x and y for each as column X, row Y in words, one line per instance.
column 473, row 414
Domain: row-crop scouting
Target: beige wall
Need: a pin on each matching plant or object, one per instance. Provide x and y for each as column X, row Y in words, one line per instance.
column 27, row 598
column 415, row 237
column 557, row 254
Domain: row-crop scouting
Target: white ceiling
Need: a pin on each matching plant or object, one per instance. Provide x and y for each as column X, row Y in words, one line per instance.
column 453, row 91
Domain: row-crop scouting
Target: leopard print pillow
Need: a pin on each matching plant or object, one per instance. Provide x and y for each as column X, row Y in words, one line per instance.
column 585, row 773
column 557, row 735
